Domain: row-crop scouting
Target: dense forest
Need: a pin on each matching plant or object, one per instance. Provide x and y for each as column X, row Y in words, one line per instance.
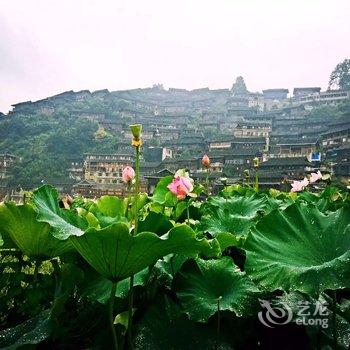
column 47, row 143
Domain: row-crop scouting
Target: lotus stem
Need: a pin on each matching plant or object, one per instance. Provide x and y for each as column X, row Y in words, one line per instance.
column 172, row 264
column 20, row 258
column 128, row 199
column 111, row 319
column 256, row 163
column 131, row 300
column 207, row 181
column 256, row 181
column 36, row 271
column 137, row 188
column 137, row 146
column 188, row 213
column 334, row 321
column 55, row 266
column 218, row 323
column 246, row 178
column 56, row 269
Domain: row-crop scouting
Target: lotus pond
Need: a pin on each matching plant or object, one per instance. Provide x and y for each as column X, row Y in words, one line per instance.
column 245, row 269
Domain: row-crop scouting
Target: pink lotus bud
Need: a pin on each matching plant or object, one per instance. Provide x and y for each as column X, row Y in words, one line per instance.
column 206, row 161
column 128, row 174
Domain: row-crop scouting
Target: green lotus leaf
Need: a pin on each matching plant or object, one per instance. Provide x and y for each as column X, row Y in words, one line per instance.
column 111, row 209
column 64, row 222
column 233, row 190
column 141, row 202
column 155, row 222
column 165, row 269
column 123, row 319
column 330, row 199
column 201, row 284
column 161, row 190
column 322, row 309
column 33, row 238
column 90, row 217
column 280, row 202
column 235, row 215
column 170, row 200
column 5, row 241
column 164, row 326
column 308, row 197
column 300, row 248
column 108, row 210
column 180, row 209
column 109, row 206
column 98, row 288
column 81, row 202
column 116, row 255
column 227, row 240
column 32, row 331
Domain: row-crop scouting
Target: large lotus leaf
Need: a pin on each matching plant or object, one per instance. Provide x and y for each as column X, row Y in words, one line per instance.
column 5, row 241
column 109, row 206
column 111, row 209
column 330, row 199
column 33, row 331
column 141, row 202
column 161, row 190
column 33, row 238
column 180, row 209
column 164, row 327
column 116, row 254
column 308, row 197
column 300, row 248
column 108, row 210
column 280, row 202
column 98, row 288
column 322, row 203
column 227, row 240
column 200, row 284
column 90, row 217
column 234, row 190
column 155, row 222
column 235, row 215
column 322, row 310
column 64, row 222
column 165, row 269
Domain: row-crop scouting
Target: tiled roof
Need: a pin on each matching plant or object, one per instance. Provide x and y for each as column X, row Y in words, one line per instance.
column 285, row 161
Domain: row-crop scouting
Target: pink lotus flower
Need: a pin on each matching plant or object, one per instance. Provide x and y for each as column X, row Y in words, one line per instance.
column 315, row 177
column 298, row 186
column 182, row 185
column 128, row 174
column 206, row 161
column 304, row 182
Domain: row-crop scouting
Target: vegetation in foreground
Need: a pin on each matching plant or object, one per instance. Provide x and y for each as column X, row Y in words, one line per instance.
column 199, row 266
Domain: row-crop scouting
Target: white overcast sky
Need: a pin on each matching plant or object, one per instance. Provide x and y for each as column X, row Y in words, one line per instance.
column 49, row 46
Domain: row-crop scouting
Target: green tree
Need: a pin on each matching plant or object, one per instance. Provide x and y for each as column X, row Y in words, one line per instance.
column 340, row 77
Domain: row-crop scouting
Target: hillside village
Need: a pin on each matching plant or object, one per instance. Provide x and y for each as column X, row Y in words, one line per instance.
column 233, row 126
